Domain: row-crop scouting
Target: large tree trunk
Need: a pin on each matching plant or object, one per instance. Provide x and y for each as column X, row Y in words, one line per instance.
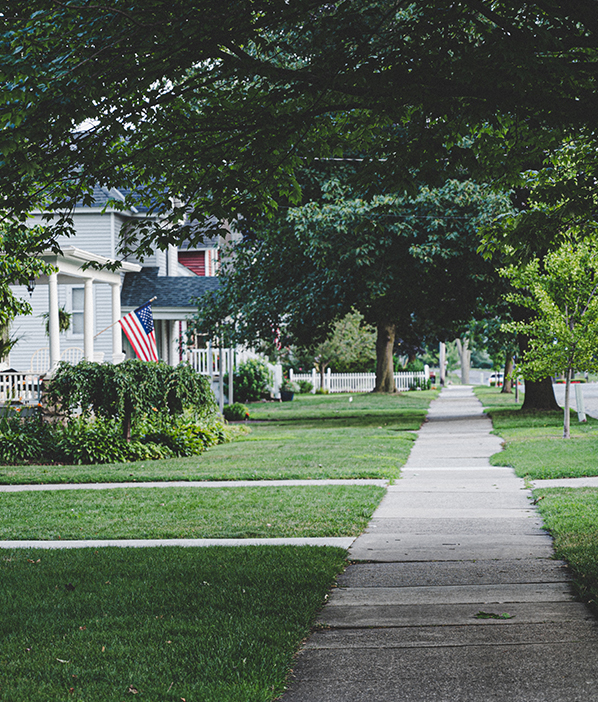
column 385, row 340
column 539, row 394
column 507, row 385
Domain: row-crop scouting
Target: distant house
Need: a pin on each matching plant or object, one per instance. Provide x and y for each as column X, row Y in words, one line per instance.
column 95, row 299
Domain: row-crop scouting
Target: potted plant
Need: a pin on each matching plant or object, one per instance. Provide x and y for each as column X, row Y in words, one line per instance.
column 288, row 390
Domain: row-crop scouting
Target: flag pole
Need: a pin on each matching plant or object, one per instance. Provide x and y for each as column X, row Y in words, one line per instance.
column 118, row 320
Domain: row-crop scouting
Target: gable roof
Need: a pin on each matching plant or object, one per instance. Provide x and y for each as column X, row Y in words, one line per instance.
column 170, row 291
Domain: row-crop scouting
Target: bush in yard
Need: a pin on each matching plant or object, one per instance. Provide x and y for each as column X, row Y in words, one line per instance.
column 305, row 386
column 23, row 439
column 236, row 412
column 130, row 391
column 252, row 380
column 130, row 412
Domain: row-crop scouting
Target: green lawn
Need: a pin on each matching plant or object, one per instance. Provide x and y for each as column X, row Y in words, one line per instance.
column 314, row 436
column 163, row 513
column 534, row 446
column 204, row 625
column 571, row 516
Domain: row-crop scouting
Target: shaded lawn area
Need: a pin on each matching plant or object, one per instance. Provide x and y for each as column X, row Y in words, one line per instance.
column 571, row 516
column 314, row 436
column 188, row 512
column 205, row 625
column 534, row 446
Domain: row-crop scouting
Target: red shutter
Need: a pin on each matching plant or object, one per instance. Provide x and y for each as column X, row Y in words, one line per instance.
column 194, row 261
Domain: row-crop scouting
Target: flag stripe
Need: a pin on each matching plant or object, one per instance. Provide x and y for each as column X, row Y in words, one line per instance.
column 141, row 342
column 138, row 327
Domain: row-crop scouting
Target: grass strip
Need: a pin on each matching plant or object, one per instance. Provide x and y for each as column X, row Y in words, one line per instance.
column 407, row 405
column 534, row 446
column 571, row 516
column 203, row 625
column 163, row 513
column 314, row 436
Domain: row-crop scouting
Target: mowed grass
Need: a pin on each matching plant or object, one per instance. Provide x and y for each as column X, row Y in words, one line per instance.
column 571, row 516
column 188, row 512
column 204, row 625
column 314, row 436
column 534, row 446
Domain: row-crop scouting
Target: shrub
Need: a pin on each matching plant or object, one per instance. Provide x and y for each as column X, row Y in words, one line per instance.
column 235, row 412
column 23, row 439
column 322, row 391
column 85, row 441
column 420, row 384
column 252, row 380
column 184, row 438
column 130, row 390
column 305, row 386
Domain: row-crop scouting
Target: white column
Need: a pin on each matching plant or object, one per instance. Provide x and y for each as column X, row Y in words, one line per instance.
column 183, row 340
column 221, row 378
column 53, row 324
column 117, row 339
column 164, row 335
column 173, row 352
column 88, row 320
column 231, row 373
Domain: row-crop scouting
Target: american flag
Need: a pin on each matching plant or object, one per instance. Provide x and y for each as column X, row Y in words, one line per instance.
column 138, row 326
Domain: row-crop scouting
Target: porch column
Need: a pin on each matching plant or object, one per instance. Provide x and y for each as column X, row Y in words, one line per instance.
column 53, row 324
column 164, row 324
column 88, row 320
column 173, row 352
column 117, row 338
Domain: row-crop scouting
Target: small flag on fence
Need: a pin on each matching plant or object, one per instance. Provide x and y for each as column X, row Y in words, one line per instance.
column 138, row 326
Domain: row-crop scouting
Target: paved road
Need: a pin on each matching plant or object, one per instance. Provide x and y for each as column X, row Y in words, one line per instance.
column 590, row 397
column 454, row 595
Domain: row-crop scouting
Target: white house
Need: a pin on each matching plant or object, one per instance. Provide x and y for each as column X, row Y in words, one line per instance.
column 95, row 299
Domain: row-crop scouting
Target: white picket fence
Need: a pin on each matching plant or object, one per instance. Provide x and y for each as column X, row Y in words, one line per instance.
column 358, row 382
column 24, row 388
column 211, row 360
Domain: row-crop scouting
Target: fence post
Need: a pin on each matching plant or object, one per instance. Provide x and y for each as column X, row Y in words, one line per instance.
column 291, row 374
column 210, row 363
column 221, row 378
column 313, row 381
column 231, row 371
column 328, row 383
column 277, row 380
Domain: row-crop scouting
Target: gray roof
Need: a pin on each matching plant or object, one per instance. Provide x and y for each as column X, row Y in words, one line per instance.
column 170, row 291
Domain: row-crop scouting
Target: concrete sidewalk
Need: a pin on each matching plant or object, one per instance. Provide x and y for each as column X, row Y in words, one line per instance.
column 455, row 595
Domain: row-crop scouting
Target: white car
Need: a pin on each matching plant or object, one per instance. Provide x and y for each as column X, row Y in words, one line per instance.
column 496, row 379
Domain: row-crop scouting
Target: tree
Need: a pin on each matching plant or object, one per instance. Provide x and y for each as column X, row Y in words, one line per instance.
column 18, row 266
column 349, row 348
column 218, row 104
column 562, row 291
column 408, row 265
column 559, row 201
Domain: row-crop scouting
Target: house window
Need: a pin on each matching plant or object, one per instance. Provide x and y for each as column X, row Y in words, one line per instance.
column 77, row 307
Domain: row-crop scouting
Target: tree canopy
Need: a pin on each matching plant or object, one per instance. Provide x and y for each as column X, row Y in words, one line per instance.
column 410, row 266
column 214, row 106
column 562, row 291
